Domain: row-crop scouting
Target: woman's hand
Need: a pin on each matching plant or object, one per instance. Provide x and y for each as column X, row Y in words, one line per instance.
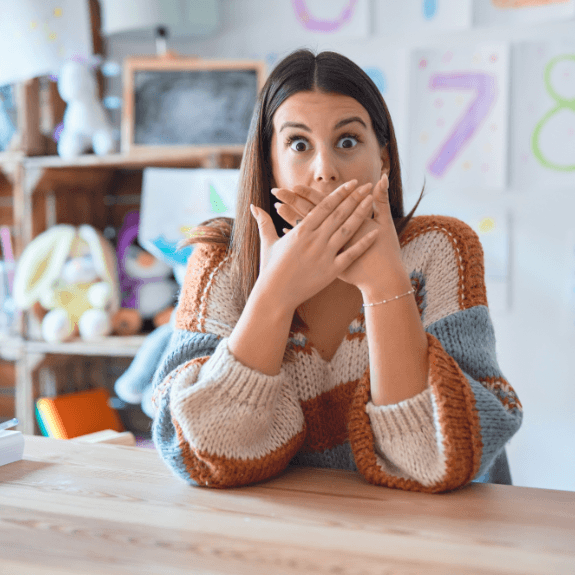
column 383, row 256
column 303, row 262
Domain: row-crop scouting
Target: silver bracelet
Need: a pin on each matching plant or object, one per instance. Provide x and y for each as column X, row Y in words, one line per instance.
column 386, row 300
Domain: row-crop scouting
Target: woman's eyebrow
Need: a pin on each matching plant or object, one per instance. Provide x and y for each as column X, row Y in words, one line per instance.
column 340, row 124
column 295, row 125
column 346, row 121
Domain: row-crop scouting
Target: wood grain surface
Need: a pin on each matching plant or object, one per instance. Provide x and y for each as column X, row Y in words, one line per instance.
column 69, row 507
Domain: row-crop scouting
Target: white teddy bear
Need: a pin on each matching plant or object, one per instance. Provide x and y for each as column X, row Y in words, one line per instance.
column 85, row 122
column 72, row 273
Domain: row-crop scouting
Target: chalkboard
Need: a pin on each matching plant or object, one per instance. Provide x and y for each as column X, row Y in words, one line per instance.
column 202, row 104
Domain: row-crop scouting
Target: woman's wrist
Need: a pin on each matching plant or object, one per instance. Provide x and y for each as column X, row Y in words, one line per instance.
column 388, row 285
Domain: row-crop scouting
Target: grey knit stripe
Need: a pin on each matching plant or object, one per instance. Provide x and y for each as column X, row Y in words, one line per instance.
column 469, row 338
column 184, row 346
column 338, row 457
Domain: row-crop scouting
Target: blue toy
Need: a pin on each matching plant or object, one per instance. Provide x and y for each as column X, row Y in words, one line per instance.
column 135, row 384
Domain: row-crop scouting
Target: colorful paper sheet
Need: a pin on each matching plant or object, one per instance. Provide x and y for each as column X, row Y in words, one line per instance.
column 413, row 16
column 543, row 114
column 36, row 37
column 175, row 200
column 492, row 222
column 505, row 12
column 459, row 116
column 334, row 18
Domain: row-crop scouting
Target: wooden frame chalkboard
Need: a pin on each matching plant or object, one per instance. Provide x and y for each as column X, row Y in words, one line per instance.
column 190, row 104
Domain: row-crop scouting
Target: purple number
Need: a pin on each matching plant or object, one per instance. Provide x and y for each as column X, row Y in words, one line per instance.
column 485, row 86
column 311, row 23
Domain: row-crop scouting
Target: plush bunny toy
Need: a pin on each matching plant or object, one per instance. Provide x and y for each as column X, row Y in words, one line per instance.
column 85, row 122
column 72, row 273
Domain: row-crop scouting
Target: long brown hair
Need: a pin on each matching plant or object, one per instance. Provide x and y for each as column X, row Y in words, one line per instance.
column 301, row 71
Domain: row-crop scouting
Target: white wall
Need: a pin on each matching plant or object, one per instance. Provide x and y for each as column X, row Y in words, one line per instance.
column 535, row 345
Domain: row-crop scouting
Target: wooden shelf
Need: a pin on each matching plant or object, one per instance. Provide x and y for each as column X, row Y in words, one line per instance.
column 135, row 160
column 11, row 347
column 40, row 192
column 10, row 157
column 116, row 346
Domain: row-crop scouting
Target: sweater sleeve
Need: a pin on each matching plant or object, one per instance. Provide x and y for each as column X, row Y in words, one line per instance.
column 219, row 423
column 450, row 433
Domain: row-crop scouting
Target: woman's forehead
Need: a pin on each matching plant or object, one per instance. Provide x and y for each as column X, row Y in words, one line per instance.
column 319, row 109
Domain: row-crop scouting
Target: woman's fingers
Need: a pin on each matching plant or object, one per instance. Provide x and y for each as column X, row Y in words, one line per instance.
column 325, row 208
column 343, row 211
column 303, row 199
column 339, row 219
column 313, row 196
column 344, row 233
column 348, row 256
column 288, row 214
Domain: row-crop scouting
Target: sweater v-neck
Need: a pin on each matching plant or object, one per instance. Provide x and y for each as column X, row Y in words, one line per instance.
column 359, row 318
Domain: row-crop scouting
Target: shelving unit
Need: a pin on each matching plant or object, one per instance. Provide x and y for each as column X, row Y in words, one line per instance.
column 95, row 190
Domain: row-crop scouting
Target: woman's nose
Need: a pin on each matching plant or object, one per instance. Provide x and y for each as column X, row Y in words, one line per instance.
column 325, row 166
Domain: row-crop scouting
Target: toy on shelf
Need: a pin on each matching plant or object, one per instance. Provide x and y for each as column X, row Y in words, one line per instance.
column 71, row 272
column 76, row 414
column 135, row 384
column 148, row 293
column 86, row 125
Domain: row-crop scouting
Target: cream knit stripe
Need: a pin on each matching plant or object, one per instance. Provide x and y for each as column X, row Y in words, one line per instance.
column 406, row 434
column 312, row 376
column 434, row 255
column 206, row 292
column 217, row 313
column 227, row 409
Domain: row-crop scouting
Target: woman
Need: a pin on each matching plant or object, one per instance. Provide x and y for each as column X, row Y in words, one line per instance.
column 359, row 339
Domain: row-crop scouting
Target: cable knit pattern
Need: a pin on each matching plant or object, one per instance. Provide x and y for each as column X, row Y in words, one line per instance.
column 219, row 423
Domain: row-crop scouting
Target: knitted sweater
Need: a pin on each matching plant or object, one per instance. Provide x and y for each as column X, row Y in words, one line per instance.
column 220, row 423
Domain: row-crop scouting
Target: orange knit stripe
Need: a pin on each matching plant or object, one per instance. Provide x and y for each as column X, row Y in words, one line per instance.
column 203, row 261
column 468, row 250
column 510, row 402
column 459, row 423
column 326, row 418
column 221, row 472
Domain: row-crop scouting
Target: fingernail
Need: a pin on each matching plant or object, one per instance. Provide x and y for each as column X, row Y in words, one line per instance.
column 350, row 184
column 253, row 210
column 364, row 190
column 274, row 191
column 277, row 205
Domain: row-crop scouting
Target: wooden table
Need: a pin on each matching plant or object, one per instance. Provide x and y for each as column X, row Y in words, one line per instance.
column 104, row 509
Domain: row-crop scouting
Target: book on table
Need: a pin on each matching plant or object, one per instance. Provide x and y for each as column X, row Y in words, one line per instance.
column 11, row 446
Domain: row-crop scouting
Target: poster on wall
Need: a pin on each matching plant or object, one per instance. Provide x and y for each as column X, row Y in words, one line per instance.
column 195, row 195
column 458, row 117
column 491, row 220
column 543, row 115
column 336, row 19
column 389, row 71
column 409, row 16
column 493, row 227
column 39, row 36
column 504, row 12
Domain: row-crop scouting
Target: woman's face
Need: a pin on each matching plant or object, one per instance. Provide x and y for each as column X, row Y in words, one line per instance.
column 324, row 140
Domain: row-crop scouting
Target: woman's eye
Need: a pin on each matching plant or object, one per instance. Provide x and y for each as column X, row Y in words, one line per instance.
column 299, row 145
column 347, row 142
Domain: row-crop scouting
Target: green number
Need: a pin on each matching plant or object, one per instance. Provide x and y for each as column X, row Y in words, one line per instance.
column 562, row 103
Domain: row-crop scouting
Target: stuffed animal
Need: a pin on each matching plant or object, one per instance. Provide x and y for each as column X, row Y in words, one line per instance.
column 144, row 280
column 135, row 384
column 85, row 122
column 72, row 273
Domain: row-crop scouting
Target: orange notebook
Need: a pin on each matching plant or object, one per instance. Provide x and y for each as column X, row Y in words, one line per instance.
column 75, row 414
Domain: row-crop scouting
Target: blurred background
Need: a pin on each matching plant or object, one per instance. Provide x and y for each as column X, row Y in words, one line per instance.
column 482, row 96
